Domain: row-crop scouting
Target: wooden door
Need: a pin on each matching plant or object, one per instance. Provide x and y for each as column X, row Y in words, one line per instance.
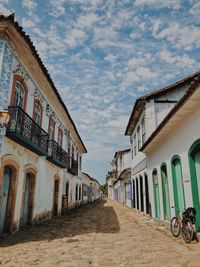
column 4, row 200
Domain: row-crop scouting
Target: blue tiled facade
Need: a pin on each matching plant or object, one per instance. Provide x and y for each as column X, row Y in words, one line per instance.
column 6, row 59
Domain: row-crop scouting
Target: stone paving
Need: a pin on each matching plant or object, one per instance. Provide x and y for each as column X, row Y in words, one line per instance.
column 104, row 233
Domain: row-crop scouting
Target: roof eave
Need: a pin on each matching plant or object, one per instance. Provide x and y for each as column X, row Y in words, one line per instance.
column 183, row 100
column 19, row 29
column 139, row 105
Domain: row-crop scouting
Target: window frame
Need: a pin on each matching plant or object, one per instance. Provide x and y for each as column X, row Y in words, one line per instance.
column 19, row 79
column 51, row 120
column 37, row 102
column 138, row 137
column 143, row 131
column 60, row 134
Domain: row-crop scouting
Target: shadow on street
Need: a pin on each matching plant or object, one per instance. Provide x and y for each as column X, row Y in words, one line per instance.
column 93, row 217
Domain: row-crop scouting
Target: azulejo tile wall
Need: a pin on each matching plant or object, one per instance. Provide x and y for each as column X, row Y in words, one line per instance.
column 6, row 59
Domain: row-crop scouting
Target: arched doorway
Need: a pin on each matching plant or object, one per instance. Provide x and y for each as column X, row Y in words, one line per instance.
column 28, row 199
column 156, row 194
column 137, row 193
column 165, row 192
column 55, row 197
column 146, row 193
column 179, row 197
column 133, row 193
column 194, row 162
column 7, row 198
column 141, row 194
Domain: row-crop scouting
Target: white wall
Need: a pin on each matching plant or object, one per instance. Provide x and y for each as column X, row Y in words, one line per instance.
column 176, row 143
column 123, row 161
column 44, row 187
column 162, row 109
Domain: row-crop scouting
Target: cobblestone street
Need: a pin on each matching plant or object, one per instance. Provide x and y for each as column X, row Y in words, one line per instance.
column 104, row 233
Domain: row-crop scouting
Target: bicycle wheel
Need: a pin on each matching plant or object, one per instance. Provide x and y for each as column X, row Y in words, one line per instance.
column 188, row 231
column 175, row 227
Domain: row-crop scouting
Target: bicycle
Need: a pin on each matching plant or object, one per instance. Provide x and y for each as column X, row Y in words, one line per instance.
column 183, row 225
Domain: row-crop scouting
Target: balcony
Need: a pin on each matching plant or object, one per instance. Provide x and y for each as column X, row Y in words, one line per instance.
column 72, row 166
column 57, row 155
column 26, row 132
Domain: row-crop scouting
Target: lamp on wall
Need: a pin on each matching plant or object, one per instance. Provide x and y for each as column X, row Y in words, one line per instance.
column 4, row 118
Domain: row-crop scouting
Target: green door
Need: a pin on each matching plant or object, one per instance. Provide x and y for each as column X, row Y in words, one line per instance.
column 179, row 197
column 156, row 194
column 165, row 191
column 194, row 160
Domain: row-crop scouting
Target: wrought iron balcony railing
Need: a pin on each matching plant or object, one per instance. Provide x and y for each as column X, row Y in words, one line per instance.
column 57, row 155
column 72, row 166
column 25, row 131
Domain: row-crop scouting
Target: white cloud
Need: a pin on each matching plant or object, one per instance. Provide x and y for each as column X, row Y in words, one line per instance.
column 4, row 10
column 146, row 73
column 120, row 122
column 75, row 37
column 27, row 23
column 29, row 4
column 182, row 61
column 195, row 9
column 135, row 35
column 174, row 4
column 155, row 26
column 184, row 37
column 57, row 8
column 111, row 58
column 86, row 21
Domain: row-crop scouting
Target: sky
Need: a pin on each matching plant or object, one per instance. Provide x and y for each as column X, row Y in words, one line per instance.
column 103, row 54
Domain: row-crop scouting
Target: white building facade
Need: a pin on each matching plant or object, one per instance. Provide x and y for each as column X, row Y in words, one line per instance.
column 91, row 188
column 119, row 180
column 148, row 112
column 173, row 152
column 42, row 149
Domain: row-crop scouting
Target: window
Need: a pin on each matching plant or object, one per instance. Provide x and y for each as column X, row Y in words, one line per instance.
column 69, row 154
column 72, row 152
column 19, row 95
column 37, row 112
column 60, row 137
column 143, row 131
column 84, row 190
column 138, row 137
column 80, row 163
column 19, row 92
column 135, row 145
column 51, row 129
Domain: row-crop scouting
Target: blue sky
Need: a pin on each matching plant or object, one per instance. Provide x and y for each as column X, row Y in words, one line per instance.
column 103, row 54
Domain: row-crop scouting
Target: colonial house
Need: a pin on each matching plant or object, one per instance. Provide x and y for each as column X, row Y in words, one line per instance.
column 40, row 158
column 173, row 152
column 95, row 189
column 148, row 112
column 86, row 188
column 121, row 184
column 110, row 179
column 91, row 188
